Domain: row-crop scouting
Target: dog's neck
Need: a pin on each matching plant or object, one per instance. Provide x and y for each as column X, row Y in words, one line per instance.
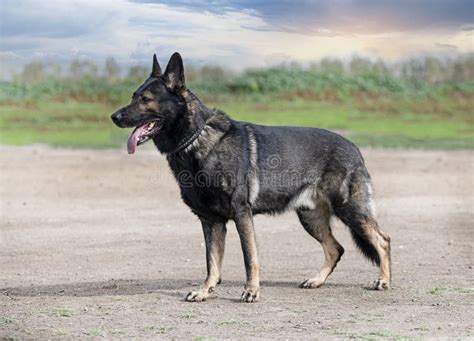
column 186, row 142
column 187, row 129
column 208, row 126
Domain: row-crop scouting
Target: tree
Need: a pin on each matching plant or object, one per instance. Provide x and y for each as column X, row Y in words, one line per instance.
column 413, row 71
column 82, row 69
column 112, row 69
column 33, row 72
column 463, row 69
column 433, row 70
column 332, row 65
column 138, row 72
column 360, row 65
column 212, row 72
column 380, row 67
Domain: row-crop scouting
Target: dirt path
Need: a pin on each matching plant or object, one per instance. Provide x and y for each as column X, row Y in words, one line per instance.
column 98, row 243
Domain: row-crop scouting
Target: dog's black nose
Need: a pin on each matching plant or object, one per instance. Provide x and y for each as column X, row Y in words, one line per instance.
column 117, row 117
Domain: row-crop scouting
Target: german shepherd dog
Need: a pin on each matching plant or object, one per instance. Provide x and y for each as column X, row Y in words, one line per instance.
column 230, row 170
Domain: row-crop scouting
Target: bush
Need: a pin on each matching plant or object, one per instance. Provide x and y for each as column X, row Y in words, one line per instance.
column 416, row 77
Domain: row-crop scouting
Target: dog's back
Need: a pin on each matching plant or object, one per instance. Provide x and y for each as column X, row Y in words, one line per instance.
column 286, row 166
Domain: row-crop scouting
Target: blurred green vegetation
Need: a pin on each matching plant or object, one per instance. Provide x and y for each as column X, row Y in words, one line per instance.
column 421, row 103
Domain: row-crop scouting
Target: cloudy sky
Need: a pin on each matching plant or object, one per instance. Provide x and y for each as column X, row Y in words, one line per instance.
column 233, row 33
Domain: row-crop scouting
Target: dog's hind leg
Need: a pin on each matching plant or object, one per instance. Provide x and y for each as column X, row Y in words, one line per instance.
column 214, row 236
column 373, row 243
column 316, row 223
column 357, row 212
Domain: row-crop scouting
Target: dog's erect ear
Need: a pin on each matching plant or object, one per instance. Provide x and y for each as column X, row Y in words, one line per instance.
column 175, row 72
column 156, row 71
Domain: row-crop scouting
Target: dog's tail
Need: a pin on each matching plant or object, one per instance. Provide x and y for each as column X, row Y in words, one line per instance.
column 357, row 212
column 357, row 226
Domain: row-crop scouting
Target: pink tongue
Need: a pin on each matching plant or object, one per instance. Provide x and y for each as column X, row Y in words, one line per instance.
column 133, row 139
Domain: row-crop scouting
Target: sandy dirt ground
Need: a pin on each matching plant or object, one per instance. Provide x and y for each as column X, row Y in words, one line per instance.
column 98, row 244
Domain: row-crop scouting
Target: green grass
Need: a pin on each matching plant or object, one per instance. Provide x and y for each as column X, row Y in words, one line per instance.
column 204, row 338
column 59, row 312
column 158, row 330
column 373, row 336
column 232, row 322
column 373, row 128
column 189, row 314
column 444, row 123
column 95, row 332
column 5, row 320
column 75, row 124
column 372, row 108
column 440, row 290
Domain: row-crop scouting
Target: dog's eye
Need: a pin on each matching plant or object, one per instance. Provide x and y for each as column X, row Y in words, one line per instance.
column 146, row 99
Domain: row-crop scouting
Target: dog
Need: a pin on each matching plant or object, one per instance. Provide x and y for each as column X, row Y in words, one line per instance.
column 231, row 170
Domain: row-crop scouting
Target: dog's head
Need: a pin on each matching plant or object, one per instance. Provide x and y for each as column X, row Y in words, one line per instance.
column 155, row 105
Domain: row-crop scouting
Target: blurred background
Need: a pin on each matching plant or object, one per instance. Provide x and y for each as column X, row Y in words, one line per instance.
column 390, row 74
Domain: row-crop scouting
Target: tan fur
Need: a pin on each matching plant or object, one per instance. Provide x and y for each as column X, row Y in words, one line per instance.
column 150, row 106
column 209, row 136
column 305, row 199
column 214, row 236
column 316, row 223
column 253, row 181
column 246, row 232
column 381, row 242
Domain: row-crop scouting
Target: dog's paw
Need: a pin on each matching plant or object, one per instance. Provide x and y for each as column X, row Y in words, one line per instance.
column 311, row 283
column 250, row 295
column 197, row 296
column 380, row 284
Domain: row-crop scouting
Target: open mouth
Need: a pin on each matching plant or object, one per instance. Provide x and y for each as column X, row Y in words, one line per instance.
column 142, row 134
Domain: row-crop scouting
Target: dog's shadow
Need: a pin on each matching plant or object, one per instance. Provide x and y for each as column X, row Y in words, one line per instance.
column 120, row 287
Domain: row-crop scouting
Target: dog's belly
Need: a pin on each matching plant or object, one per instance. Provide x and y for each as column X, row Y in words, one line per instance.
column 277, row 201
column 271, row 203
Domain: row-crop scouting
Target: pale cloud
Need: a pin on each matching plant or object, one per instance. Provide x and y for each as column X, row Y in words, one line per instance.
column 235, row 34
column 344, row 16
column 128, row 31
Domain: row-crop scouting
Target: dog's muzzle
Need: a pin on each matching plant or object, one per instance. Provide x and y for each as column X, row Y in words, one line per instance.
column 117, row 117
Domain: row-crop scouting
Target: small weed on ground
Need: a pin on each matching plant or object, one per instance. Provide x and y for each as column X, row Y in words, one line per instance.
column 441, row 290
column 95, row 332
column 59, row 312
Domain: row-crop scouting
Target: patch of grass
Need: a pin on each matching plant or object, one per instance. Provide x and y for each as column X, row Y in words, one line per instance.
column 188, row 314
column 158, row 330
column 447, row 125
column 443, row 290
column 231, row 322
column 5, row 320
column 204, row 338
column 366, row 316
column 373, row 336
column 60, row 333
column 95, row 332
column 59, row 312
column 73, row 124
column 407, row 130
column 380, row 333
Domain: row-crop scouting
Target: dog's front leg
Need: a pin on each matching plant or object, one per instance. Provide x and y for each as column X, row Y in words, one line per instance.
column 244, row 223
column 214, row 236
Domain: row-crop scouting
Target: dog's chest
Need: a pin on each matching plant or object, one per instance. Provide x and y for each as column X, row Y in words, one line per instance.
column 206, row 191
column 207, row 201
